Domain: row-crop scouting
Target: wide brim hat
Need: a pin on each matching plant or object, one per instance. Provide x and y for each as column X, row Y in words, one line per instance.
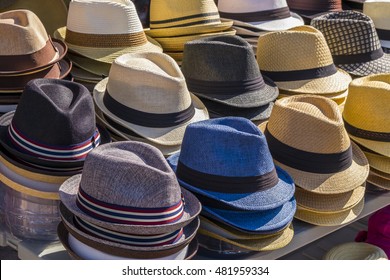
column 107, row 54
column 355, row 251
column 163, row 136
column 268, row 199
column 69, row 193
column 124, row 250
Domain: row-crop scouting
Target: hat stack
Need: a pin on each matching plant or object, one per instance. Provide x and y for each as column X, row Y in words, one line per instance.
column 307, row 138
column 299, row 62
column 353, row 42
column 97, row 32
column 310, row 9
column 175, row 22
column 26, row 53
column 253, row 18
column 378, row 11
column 42, row 143
column 127, row 204
column 355, row 251
column 366, row 118
column 246, row 200
column 145, row 98
column 222, row 71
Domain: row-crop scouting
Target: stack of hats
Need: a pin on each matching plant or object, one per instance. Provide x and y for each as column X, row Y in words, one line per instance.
column 222, row 71
column 246, row 200
column 145, row 98
column 353, row 42
column 175, row 22
column 378, row 232
column 366, row 118
column 26, row 53
column 42, row 143
column 355, row 251
column 127, row 204
column 97, row 32
column 310, row 9
column 307, row 138
column 378, row 11
column 253, row 18
column 299, row 62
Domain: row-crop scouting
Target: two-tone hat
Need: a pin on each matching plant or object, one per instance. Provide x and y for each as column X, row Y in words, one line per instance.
column 353, row 42
column 224, row 70
column 355, row 251
column 310, row 9
column 378, row 11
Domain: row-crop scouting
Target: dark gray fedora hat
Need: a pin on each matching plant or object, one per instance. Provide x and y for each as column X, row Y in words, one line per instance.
column 129, row 187
column 224, row 69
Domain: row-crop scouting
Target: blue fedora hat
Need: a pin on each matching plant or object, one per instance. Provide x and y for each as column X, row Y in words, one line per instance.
column 226, row 163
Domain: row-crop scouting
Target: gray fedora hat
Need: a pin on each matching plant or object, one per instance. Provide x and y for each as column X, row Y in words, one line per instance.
column 128, row 187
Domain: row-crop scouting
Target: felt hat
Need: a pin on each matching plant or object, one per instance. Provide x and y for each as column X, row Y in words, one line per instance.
column 355, row 251
column 378, row 11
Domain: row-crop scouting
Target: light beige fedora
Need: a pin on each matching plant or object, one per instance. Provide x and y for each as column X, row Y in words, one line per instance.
column 379, row 11
column 355, row 251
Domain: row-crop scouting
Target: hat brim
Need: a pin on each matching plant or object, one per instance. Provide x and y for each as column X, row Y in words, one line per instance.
column 107, row 54
column 82, row 74
column 255, row 201
column 378, row 161
column 338, row 97
column 177, row 56
column 248, row 31
column 68, row 194
column 385, row 43
column 168, row 136
column 329, row 219
column 355, row 251
column 378, row 181
column 97, row 68
column 189, row 30
column 382, row 148
column 5, row 108
column 380, row 65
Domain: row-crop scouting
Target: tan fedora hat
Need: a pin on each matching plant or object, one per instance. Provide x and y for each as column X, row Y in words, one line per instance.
column 366, row 112
column 147, row 94
column 378, row 11
column 299, row 61
column 307, row 138
column 377, row 161
column 104, row 30
column 377, row 179
column 380, row 173
column 338, row 97
column 171, row 18
column 355, row 251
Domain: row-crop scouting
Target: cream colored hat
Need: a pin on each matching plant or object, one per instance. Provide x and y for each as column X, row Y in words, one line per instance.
column 299, row 61
column 103, row 30
column 379, row 11
column 147, row 93
column 355, row 251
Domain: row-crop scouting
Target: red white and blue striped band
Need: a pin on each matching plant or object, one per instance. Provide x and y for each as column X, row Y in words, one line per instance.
column 114, row 213
column 71, row 153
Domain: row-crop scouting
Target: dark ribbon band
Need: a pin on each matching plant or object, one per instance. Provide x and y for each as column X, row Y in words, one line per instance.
column 216, row 183
column 366, row 134
column 319, row 6
column 147, row 119
column 299, row 75
column 383, row 34
column 358, row 58
column 308, row 161
column 225, row 87
column 167, row 23
column 275, row 14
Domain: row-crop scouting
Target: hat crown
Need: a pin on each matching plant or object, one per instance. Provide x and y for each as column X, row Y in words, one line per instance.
column 24, row 31
column 367, row 103
column 220, row 58
column 247, row 6
column 130, row 174
column 231, row 147
column 298, row 48
column 55, row 112
column 309, row 123
column 148, row 82
column 378, row 11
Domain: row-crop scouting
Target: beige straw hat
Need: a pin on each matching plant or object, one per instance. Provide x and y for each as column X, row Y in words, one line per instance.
column 378, row 11
column 299, row 61
column 171, row 18
column 147, row 94
column 378, row 181
column 338, row 97
column 380, row 173
column 355, row 251
column 307, row 138
column 103, row 30
column 377, row 161
column 366, row 113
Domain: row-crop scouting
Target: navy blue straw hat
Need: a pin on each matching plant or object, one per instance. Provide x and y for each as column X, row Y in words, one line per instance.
column 226, row 163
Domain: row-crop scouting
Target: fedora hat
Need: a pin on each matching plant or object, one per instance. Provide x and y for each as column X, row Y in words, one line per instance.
column 262, row 15
column 299, row 61
column 353, row 42
column 355, row 251
column 224, row 70
column 365, row 113
column 378, row 180
column 310, row 9
column 147, row 93
column 377, row 161
column 338, row 97
column 88, row 33
column 378, row 11
column 147, row 185
column 172, row 18
column 313, row 145
column 53, row 125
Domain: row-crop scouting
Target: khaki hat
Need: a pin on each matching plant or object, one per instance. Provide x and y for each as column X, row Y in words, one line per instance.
column 104, row 30
column 307, row 138
column 378, row 11
column 171, row 18
column 355, row 251
column 299, row 61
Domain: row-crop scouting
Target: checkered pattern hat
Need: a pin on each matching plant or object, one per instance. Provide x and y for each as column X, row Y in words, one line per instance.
column 353, row 42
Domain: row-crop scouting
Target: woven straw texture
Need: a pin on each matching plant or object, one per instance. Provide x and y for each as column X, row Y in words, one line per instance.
column 378, row 181
column 355, row 251
column 300, row 48
column 379, row 12
column 380, row 173
column 378, row 162
column 338, row 97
